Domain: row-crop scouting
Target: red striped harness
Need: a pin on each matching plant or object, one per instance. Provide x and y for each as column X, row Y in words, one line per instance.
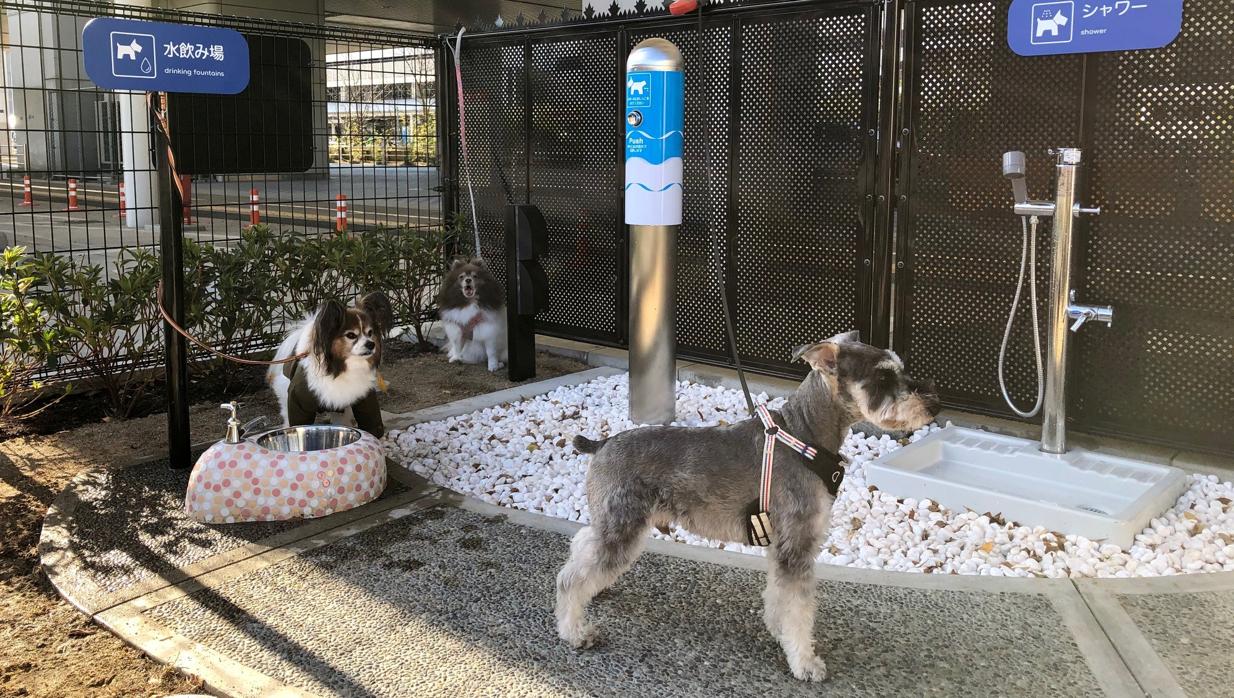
column 831, row 471
column 773, row 434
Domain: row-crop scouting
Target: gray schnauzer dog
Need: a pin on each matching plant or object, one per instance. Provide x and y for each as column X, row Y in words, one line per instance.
column 704, row 479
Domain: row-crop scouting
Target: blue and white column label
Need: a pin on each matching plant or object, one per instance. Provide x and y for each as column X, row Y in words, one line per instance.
column 655, row 117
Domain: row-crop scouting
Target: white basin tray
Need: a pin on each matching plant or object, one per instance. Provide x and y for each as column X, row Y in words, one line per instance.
column 1098, row 496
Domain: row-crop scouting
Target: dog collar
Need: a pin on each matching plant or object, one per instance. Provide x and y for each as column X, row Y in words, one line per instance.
column 828, row 468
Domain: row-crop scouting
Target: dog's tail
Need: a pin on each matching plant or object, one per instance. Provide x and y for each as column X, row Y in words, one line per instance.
column 582, row 444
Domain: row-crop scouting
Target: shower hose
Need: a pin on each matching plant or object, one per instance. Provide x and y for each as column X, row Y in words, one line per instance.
column 1028, row 257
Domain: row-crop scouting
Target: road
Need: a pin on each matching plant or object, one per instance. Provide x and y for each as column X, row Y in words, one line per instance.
column 219, row 208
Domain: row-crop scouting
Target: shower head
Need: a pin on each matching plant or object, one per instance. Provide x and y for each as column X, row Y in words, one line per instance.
column 1014, row 169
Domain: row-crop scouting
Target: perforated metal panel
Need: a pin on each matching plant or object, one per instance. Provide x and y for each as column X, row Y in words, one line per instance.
column 1156, row 127
column 792, row 104
column 973, row 100
column 576, row 180
column 786, row 246
column 802, row 133
column 1162, row 252
column 495, row 101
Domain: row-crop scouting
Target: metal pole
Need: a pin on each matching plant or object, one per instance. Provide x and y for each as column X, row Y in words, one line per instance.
column 1054, row 414
column 176, row 357
column 877, row 262
column 655, row 111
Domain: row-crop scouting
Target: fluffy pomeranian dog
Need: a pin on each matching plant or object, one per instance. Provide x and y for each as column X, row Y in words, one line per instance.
column 339, row 374
column 473, row 310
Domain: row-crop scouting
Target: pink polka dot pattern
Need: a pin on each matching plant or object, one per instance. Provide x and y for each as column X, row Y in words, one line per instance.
column 245, row 482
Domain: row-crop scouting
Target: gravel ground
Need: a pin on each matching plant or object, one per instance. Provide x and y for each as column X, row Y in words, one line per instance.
column 451, row 603
column 49, row 649
column 519, row 455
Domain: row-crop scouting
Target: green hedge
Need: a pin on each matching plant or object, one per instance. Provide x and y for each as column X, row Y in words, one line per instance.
column 61, row 312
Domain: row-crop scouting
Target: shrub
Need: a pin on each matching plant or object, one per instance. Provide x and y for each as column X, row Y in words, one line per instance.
column 405, row 263
column 238, row 299
column 420, row 264
column 109, row 324
column 231, row 296
column 29, row 345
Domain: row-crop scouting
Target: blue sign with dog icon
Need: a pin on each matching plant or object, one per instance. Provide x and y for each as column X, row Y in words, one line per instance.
column 1055, row 27
column 127, row 54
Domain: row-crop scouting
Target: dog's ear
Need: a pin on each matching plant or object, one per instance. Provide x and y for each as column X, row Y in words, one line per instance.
column 458, row 262
column 329, row 323
column 821, row 356
column 479, row 262
column 380, row 312
column 847, row 337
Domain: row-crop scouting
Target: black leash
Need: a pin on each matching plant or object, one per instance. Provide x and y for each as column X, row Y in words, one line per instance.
column 720, row 275
column 827, row 466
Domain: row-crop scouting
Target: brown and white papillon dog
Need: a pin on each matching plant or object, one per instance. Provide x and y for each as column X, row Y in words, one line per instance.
column 339, row 372
column 472, row 308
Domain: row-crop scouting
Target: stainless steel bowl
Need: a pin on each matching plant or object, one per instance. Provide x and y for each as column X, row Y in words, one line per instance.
column 315, row 437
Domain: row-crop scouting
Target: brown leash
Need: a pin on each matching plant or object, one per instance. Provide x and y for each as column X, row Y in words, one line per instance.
column 212, row 350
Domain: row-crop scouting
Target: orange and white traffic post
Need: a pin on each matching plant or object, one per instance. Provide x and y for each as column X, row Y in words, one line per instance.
column 254, row 206
column 27, row 196
column 123, row 203
column 340, row 213
column 73, row 196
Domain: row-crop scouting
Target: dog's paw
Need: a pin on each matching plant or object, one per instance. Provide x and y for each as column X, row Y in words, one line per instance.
column 581, row 637
column 494, row 367
column 810, row 669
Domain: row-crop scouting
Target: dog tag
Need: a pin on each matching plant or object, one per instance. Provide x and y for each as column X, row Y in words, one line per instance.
column 758, row 529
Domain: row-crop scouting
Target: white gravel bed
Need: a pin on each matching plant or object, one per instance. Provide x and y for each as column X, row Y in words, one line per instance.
column 519, row 455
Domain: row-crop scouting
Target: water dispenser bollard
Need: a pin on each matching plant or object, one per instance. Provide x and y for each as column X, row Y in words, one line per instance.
column 654, row 121
column 527, row 286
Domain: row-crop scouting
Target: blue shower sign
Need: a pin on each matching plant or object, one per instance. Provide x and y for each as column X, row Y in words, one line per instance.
column 128, row 54
column 1055, row 27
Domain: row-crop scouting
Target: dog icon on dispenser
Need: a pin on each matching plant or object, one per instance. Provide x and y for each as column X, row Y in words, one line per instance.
column 636, row 87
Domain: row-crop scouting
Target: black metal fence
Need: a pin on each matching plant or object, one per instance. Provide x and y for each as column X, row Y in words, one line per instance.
column 790, row 113
column 855, row 182
column 77, row 167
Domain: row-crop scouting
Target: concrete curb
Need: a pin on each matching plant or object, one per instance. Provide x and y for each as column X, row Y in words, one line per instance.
column 479, row 402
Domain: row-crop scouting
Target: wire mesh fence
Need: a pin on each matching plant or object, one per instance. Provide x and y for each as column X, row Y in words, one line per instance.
column 78, row 178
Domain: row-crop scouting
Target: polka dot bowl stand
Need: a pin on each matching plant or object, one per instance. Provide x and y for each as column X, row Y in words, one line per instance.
column 244, row 482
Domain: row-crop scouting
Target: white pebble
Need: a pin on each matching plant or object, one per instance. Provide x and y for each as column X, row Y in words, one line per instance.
column 1196, row 535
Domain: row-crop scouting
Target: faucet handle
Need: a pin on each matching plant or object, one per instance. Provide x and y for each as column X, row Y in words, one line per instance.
column 1084, row 313
column 233, row 422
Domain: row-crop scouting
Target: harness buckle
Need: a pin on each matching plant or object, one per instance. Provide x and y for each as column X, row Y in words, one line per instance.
column 758, row 529
column 773, row 430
